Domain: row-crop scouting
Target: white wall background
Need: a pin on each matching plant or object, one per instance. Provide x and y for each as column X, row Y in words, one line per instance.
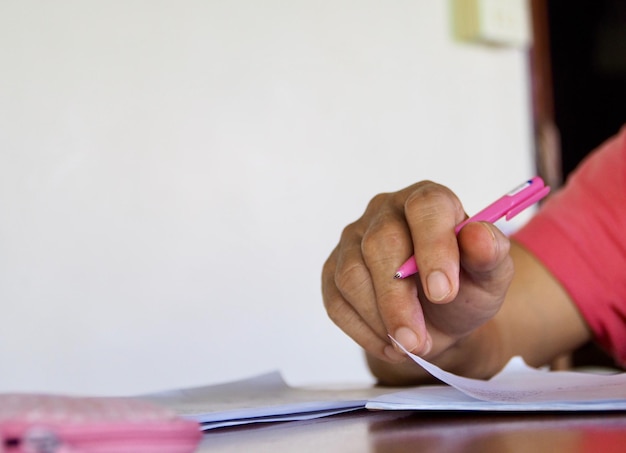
column 174, row 173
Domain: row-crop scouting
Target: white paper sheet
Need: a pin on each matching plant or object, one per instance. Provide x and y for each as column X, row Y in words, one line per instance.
column 517, row 387
column 263, row 398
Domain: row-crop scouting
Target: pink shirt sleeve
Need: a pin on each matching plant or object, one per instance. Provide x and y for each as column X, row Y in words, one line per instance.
column 579, row 234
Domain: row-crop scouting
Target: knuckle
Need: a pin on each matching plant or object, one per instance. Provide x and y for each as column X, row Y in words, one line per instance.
column 376, row 247
column 333, row 310
column 388, row 233
column 350, row 231
column 352, row 279
column 378, row 201
column 429, row 201
column 327, row 291
column 340, row 312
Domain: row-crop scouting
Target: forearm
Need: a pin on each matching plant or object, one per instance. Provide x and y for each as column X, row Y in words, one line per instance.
column 539, row 319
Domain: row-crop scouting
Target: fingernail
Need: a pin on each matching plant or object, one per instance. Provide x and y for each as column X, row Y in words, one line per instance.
column 438, row 286
column 407, row 338
column 428, row 344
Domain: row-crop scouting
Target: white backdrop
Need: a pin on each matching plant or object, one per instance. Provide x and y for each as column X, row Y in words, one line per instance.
column 174, row 173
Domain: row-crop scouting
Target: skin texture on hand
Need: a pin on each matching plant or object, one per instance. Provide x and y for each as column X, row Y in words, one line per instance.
column 450, row 312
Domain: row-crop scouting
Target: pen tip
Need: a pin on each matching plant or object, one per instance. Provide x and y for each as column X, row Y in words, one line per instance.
column 398, row 275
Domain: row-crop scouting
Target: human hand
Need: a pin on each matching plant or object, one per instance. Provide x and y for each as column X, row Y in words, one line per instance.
column 461, row 284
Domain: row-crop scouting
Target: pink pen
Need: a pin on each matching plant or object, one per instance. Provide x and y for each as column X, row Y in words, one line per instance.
column 507, row 206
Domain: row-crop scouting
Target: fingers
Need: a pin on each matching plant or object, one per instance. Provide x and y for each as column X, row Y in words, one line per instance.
column 487, row 270
column 353, row 307
column 363, row 299
column 485, row 256
column 385, row 246
column 432, row 212
column 360, row 294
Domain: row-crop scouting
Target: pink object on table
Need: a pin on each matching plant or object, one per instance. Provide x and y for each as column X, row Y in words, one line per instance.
column 43, row 423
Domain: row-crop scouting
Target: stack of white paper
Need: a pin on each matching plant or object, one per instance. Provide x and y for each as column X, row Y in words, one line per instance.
column 518, row 387
column 264, row 398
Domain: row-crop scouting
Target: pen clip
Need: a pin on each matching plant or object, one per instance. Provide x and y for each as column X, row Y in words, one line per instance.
column 534, row 198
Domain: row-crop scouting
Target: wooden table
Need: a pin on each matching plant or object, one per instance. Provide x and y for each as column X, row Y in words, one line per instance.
column 399, row 432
